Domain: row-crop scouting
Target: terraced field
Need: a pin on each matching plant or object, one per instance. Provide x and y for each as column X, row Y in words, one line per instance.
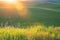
column 43, row 13
column 46, row 13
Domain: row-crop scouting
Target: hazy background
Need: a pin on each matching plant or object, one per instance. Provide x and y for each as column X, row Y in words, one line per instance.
column 46, row 12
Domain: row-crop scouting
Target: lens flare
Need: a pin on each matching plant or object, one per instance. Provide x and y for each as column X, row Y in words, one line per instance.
column 11, row 1
column 18, row 5
column 22, row 10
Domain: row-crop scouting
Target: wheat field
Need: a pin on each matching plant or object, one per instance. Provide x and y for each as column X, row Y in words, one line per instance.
column 35, row 32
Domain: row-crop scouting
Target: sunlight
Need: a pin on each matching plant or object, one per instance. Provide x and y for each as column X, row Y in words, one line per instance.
column 22, row 10
column 11, row 1
column 18, row 5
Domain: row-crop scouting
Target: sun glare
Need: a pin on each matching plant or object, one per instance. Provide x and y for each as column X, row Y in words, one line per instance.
column 19, row 5
column 11, row 1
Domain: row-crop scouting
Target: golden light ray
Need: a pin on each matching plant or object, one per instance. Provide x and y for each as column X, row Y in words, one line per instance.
column 22, row 10
column 19, row 5
column 11, row 1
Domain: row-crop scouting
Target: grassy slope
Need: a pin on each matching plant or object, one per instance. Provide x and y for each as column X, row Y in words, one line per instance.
column 46, row 13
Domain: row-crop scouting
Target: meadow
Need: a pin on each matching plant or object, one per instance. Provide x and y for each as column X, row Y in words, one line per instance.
column 34, row 32
column 43, row 13
column 46, row 13
column 33, row 28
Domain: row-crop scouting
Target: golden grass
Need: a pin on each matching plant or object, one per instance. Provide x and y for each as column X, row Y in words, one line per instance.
column 33, row 33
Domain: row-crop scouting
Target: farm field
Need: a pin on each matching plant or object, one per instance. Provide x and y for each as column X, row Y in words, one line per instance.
column 35, row 32
column 43, row 13
column 43, row 23
column 46, row 13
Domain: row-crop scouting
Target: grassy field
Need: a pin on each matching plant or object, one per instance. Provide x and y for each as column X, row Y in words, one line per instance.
column 35, row 32
column 30, row 29
column 44, row 13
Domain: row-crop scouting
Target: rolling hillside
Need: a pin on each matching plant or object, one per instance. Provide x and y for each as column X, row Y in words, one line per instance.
column 44, row 13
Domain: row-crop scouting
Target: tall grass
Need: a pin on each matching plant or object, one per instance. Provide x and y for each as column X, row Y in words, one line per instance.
column 35, row 32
